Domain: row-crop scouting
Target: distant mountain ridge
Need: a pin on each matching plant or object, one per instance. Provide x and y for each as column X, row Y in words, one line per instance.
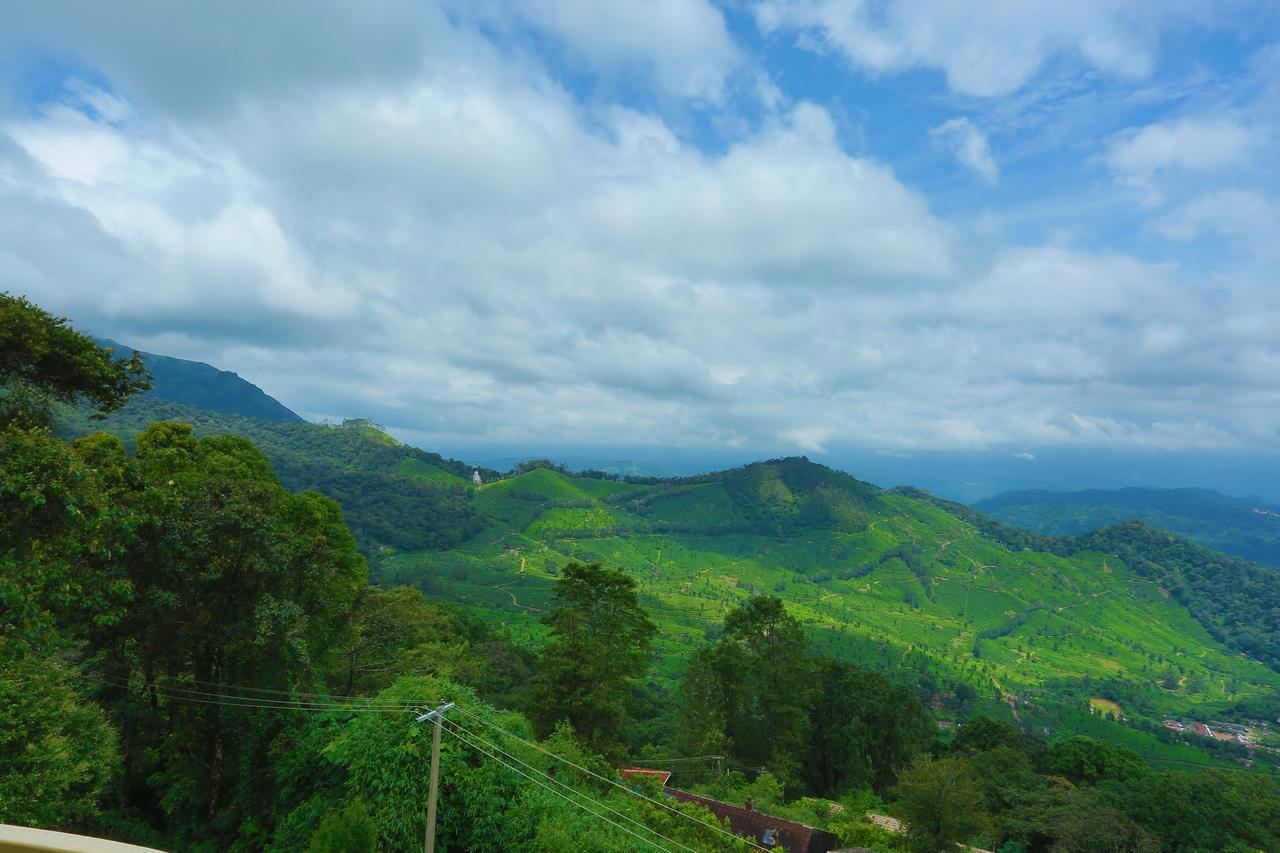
column 1242, row 527
column 203, row 386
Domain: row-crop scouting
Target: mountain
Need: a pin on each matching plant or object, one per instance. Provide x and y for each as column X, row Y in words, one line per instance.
column 970, row 612
column 392, row 495
column 1241, row 527
column 203, row 386
column 974, row 614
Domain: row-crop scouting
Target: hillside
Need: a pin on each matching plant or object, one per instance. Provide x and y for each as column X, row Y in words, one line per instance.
column 1242, row 527
column 203, row 386
column 392, row 495
column 974, row 614
column 890, row 580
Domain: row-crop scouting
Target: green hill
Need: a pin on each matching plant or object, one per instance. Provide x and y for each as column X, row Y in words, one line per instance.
column 973, row 614
column 936, row 598
column 203, row 386
column 392, row 495
column 1241, row 527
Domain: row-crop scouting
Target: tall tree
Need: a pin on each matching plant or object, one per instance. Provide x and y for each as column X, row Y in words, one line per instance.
column 939, row 803
column 864, row 728
column 600, row 642
column 235, row 583
column 749, row 693
column 43, row 359
column 57, row 751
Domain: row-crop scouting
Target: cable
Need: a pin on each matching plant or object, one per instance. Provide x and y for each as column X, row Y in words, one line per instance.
column 292, row 693
column 255, row 702
column 222, row 700
column 497, row 760
column 362, row 706
column 207, row 698
column 635, row 793
column 567, row 787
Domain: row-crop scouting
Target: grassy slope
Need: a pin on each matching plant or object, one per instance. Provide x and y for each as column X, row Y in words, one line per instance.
column 877, row 577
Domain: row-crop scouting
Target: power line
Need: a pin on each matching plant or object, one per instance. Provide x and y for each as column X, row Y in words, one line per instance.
column 232, row 701
column 361, row 705
column 229, row 700
column 631, row 791
column 567, row 787
column 497, row 760
column 682, row 760
column 324, row 697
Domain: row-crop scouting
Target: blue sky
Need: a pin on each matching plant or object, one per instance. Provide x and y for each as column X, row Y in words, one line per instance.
column 750, row 227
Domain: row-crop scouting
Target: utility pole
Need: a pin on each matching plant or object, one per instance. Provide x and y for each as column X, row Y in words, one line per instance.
column 434, row 716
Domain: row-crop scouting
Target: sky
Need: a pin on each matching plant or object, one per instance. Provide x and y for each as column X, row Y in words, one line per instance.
column 874, row 229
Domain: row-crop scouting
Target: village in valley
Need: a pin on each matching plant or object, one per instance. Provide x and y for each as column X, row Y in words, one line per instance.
column 1251, row 734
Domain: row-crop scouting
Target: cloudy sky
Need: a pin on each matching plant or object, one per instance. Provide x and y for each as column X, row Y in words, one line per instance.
column 764, row 225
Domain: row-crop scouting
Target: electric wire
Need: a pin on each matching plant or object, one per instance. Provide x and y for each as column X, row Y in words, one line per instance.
column 359, row 705
column 567, row 787
column 229, row 700
column 635, row 793
column 323, row 697
column 536, row 781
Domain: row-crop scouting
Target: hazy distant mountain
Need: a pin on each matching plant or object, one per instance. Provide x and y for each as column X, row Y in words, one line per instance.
column 1243, row 527
column 194, row 383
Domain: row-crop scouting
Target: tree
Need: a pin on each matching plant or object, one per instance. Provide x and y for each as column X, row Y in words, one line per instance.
column 1203, row 811
column 345, row 830
column 1086, row 761
column 600, row 642
column 42, row 359
column 57, row 752
column 864, row 729
column 750, row 692
column 235, row 584
column 939, row 803
column 983, row 733
column 1093, row 828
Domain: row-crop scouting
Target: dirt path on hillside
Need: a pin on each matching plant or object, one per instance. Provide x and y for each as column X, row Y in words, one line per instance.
column 515, row 602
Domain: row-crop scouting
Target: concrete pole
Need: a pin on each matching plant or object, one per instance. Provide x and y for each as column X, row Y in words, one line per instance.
column 438, row 716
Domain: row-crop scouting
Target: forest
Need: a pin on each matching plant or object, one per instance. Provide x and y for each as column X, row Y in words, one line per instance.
column 192, row 657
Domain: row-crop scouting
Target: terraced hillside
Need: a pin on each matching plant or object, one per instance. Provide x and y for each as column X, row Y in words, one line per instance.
column 879, row 577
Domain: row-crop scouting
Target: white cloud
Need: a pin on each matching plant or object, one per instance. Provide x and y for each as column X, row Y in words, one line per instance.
column 987, row 48
column 683, row 44
column 809, row 439
column 1250, row 218
column 1201, row 144
column 969, row 145
column 450, row 242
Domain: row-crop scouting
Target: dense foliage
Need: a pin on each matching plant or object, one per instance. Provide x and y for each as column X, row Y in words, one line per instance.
column 1236, row 601
column 391, row 494
column 43, row 360
column 600, row 642
column 819, row 725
